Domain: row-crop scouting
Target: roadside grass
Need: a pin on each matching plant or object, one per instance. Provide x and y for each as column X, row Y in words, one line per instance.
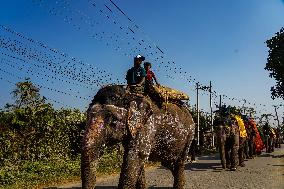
column 27, row 174
column 44, row 173
column 52, row 172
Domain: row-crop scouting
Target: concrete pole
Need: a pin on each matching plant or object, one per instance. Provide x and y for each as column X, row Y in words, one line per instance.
column 220, row 102
column 197, row 111
column 275, row 107
column 211, row 113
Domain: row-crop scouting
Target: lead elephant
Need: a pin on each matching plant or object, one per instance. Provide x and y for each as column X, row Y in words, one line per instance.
column 145, row 130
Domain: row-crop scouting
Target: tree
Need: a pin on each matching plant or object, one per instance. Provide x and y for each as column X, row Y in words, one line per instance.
column 27, row 94
column 275, row 63
column 31, row 129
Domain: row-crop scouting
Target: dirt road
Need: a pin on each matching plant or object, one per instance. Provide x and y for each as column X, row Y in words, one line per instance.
column 264, row 172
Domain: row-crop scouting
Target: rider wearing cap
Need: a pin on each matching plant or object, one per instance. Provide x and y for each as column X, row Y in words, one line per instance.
column 136, row 76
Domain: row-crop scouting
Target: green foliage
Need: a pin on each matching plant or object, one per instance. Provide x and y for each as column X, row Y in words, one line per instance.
column 275, row 63
column 40, row 144
column 111, row 160
column 204, row 120
column 34, row 138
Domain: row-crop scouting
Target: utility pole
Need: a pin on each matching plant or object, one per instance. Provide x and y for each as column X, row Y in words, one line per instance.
column 275, row 107
column 244, row 108
column 211, row 112
column 207, row 88
column 197, row 111
column 220, row 102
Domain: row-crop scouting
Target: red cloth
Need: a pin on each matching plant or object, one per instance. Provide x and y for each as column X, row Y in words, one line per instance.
column 149, row 76
column 258, row 142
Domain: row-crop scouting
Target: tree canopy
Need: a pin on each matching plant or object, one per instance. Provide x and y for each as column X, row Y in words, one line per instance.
column 32, row 129
column 275, row 63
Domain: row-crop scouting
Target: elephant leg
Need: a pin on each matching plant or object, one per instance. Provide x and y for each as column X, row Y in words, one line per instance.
column 131, row 167
column 269, row 145
column 246, row 149
column 228, row 150
column 223, row 155
column 89, row 158
column 141, row 182
column 88, row 169
column 177, row 170
column 241, row 152
column 234, row 152
column 253, row 146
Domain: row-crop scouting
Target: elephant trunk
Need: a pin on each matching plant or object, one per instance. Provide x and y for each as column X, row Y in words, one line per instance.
column 92, row 142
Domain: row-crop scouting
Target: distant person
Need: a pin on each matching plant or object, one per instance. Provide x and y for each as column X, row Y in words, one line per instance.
column 150, row 77
column 136, row 76
column 192, row 150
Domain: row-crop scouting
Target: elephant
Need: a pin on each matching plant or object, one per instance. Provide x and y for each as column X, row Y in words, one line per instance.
column 269, row 138
column 227, row 133
column 147, row 132
column 250, row 143
column 243, row 138
column 278, row 138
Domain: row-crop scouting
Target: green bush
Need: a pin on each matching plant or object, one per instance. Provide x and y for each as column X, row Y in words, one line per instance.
column 40, row 144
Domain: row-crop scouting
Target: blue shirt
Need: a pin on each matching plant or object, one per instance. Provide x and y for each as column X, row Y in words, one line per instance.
column 135, row 75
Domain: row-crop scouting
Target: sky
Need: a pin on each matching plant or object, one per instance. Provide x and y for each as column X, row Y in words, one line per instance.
column 187, row 41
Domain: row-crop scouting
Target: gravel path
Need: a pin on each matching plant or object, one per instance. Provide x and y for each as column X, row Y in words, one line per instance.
column 264, row 172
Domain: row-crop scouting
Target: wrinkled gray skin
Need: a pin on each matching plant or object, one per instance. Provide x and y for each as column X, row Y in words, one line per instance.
column 145, row 131
column 227, row 132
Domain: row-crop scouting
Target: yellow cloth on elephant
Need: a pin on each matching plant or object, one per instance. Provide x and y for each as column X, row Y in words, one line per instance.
column 273, row 132
column 167, row 93
column 243, row 132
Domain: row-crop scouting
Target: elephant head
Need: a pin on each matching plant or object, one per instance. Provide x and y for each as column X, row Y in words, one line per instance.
column 114, row 116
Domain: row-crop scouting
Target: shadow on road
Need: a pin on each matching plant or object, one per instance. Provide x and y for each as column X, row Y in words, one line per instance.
column 203, row 167
column 211, row 157
column 106, row 187
column 271, row 155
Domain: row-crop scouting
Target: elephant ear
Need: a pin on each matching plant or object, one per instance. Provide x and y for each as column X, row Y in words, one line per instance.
column 139, row 112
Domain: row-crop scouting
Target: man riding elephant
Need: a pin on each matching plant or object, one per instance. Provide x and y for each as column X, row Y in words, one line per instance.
column 135, row 76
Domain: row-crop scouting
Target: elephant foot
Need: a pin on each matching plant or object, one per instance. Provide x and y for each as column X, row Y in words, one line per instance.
column 228, row 166
column 242, row 165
